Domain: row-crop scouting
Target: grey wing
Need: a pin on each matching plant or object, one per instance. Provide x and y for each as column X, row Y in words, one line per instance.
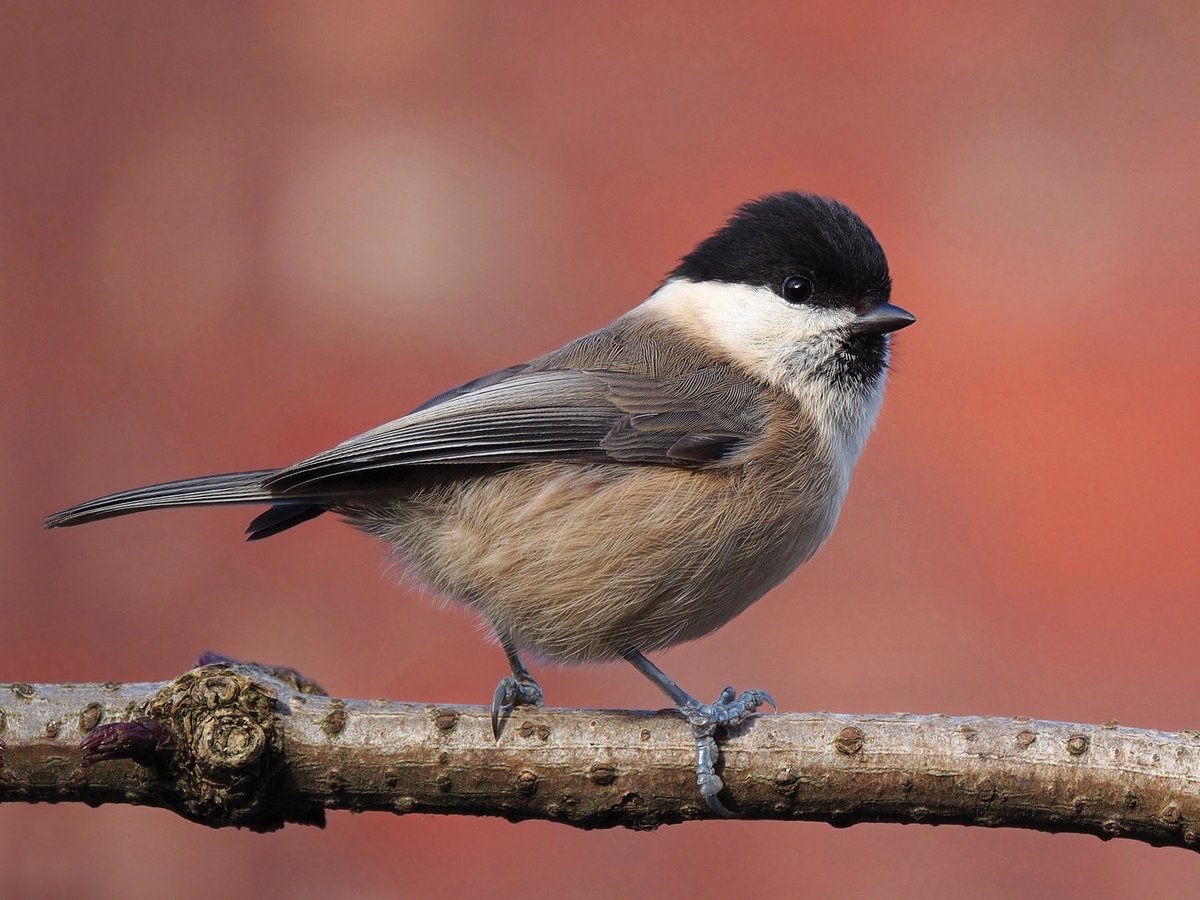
column 700, row 419
column 283, row 516
column 481, row 382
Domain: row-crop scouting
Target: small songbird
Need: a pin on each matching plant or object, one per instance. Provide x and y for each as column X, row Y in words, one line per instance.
column 638, row 487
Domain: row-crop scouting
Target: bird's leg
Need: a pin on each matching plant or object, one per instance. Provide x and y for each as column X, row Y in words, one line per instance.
column 729, row 709
column 517, row 689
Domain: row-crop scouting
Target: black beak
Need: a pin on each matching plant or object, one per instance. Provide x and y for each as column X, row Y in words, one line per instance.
column 882, row 318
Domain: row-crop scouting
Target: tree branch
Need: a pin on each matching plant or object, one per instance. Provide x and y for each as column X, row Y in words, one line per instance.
column 259, row 747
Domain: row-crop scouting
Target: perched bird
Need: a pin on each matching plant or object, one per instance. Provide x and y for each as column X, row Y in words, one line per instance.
column 638, row 487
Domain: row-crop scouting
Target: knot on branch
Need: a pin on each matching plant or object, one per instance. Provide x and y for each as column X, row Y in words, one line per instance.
column 292, row 679
column 227, row 745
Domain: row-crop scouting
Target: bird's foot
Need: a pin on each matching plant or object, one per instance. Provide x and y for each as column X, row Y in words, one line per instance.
column 728, row 710
column 511, row 692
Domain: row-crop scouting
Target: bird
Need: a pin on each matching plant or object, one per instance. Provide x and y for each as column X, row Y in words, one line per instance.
column 641, row 485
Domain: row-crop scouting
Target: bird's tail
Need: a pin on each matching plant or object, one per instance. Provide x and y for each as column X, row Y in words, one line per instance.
column 233, row 487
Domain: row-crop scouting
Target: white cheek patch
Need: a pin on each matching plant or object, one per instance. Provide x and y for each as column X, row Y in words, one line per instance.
column 771, row 338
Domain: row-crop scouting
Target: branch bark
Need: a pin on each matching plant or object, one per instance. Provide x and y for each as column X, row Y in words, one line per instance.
column 259, row 747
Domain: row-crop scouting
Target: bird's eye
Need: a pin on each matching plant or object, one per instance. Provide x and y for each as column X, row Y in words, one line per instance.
column 796, row 289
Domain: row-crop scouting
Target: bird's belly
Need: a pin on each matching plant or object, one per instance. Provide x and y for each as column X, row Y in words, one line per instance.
column 581, row 563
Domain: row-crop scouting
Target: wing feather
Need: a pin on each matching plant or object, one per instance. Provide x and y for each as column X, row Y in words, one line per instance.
column 524, row 416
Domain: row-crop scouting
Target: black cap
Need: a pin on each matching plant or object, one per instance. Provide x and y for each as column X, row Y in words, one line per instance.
column 792, row 234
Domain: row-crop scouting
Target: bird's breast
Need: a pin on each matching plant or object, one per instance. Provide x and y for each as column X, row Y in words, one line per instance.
column 582, row 562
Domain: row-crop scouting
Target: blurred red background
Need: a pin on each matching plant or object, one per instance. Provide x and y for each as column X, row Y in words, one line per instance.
column 233, row 234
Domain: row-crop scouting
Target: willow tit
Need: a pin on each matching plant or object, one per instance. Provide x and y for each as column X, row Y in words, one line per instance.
column 640, row 486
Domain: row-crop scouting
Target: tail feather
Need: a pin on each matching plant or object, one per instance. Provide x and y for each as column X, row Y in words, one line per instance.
column 233, row 487
column 281, row 517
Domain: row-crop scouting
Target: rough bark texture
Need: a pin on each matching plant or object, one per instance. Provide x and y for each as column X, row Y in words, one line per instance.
column 233, row 744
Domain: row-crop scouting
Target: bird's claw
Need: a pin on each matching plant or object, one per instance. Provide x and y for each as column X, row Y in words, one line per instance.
column 727, row 711
column 513, row 691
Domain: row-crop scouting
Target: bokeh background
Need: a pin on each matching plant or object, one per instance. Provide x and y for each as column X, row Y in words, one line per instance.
column 232, row 234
